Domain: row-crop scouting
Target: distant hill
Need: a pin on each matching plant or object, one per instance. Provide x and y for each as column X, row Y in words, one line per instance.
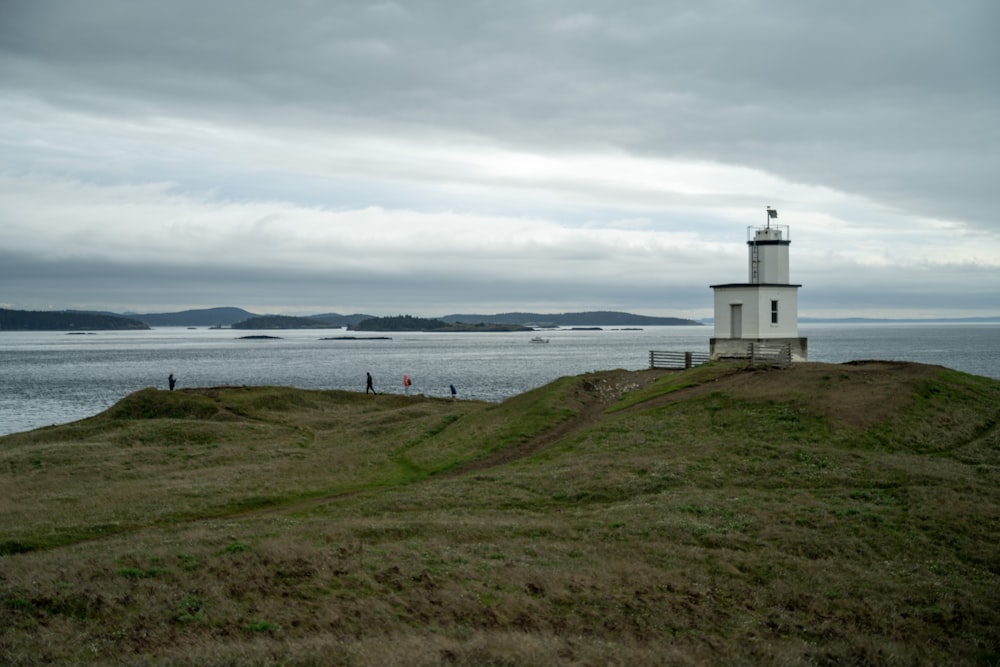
column 410, row 323
column 595, row 318
column 206, row 317
column 230, row 316
column 338, row 320
column 280, row 322
column 62, row 320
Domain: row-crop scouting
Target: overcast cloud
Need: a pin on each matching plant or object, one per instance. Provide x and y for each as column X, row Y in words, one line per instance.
column 437, row 157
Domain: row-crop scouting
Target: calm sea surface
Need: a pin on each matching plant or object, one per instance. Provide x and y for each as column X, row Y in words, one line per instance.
column 55, row 377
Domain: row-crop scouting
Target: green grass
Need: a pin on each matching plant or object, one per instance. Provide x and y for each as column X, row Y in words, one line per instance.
column 721, row 515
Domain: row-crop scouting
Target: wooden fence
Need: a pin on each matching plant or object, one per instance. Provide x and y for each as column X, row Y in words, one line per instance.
column 660, row 359
column 769, row 353
column 757, row 353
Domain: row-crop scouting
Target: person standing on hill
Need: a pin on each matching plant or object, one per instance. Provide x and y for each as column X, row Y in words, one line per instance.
column 369, row 387
column 406, row 384
column 172, row 381
column 453, row 392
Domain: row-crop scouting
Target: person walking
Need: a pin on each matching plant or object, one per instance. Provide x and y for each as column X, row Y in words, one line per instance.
column 406, row 384
column 453, row 392
column 369, row 387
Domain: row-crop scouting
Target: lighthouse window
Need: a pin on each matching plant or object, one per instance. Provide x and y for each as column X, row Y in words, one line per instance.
column 774, row 312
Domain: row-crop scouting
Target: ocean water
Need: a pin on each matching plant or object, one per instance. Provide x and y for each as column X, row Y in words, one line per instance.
column 55, row 377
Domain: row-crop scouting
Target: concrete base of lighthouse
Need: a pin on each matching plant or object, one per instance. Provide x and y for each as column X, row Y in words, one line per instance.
column 739, row 348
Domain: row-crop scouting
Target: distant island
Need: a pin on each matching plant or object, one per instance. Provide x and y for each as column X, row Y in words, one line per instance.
column 65, row 320
column 242, row 319
column 203, row 317
column 608, row 318
column 521, row 321
column 410, row 323
column 279, row 322
column 238, row 318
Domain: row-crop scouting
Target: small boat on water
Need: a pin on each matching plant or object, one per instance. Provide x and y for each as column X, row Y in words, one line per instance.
column 539, row 339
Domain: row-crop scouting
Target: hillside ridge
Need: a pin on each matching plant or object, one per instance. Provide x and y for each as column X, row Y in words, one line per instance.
column 725, row 514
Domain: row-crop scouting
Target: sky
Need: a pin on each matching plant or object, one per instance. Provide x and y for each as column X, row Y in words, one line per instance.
column 434, row 157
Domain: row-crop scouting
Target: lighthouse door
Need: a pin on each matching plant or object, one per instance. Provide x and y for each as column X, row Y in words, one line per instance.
column 736, row 320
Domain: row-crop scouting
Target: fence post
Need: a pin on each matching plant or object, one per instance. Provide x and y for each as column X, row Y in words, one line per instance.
column 687, row 360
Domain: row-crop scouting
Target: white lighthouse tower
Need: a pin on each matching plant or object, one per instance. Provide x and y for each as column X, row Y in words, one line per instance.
column 763, row 311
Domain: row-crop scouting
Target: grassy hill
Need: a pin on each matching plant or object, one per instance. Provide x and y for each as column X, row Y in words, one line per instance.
column 821, row 514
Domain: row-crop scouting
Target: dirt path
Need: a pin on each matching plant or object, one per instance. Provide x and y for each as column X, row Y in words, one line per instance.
column 592, row 398
column 855, row 395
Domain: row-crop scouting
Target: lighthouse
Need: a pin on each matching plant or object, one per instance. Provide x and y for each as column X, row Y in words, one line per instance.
column 764, row 310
